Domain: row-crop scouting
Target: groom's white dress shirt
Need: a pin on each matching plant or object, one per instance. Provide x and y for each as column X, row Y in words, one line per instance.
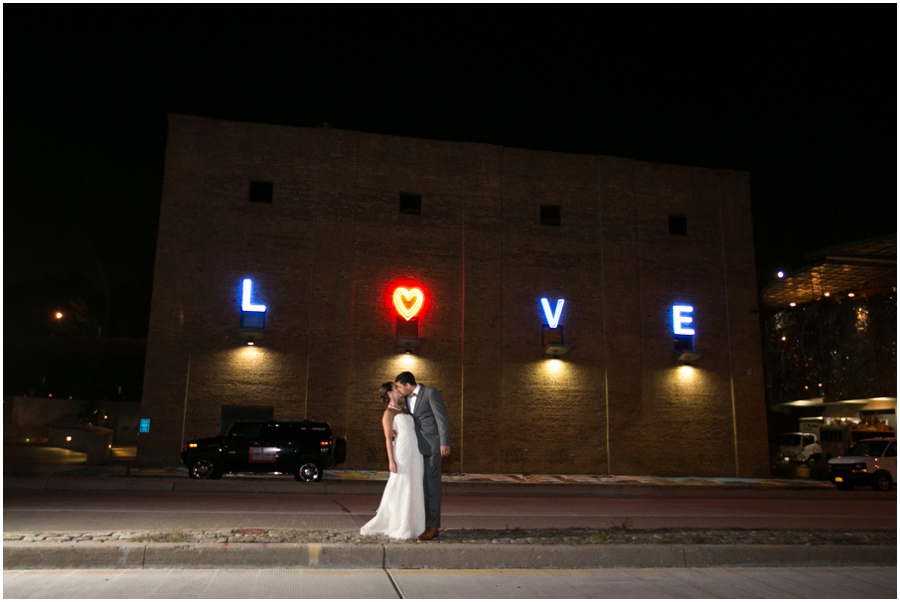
column 411, row 400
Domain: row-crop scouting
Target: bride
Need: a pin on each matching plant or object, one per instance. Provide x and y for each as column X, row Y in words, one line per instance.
column 401, row 514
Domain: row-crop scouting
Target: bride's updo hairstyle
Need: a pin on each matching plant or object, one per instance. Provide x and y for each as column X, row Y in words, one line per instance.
column 383, row 393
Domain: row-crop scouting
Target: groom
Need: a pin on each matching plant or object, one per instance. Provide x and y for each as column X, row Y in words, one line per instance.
column 433, row 432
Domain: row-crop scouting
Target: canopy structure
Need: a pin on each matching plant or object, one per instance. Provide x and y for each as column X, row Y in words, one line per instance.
column 856, row 269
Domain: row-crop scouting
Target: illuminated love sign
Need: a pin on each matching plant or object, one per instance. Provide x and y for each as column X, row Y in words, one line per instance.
column 552, row 317
column 680, row 320
column 246, row 304
column 408, row 301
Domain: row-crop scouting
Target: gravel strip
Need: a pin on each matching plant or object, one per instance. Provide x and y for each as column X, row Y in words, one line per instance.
column 616, row 535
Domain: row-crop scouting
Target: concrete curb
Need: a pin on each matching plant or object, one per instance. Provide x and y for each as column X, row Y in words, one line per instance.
column 91, row 555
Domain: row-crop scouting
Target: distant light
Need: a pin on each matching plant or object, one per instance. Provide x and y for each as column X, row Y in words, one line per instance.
column 781, row 274
column 793, row 305
column 58, row 315
column 783, row 338
column 851, row 294
column 250, row 343
column 68, row 438
column 827, row 294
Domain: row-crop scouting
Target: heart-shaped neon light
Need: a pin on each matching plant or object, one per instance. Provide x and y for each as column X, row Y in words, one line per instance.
column 408, row 301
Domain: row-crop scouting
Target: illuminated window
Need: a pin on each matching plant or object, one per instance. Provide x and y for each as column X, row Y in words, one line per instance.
column 551, row 215
column 261, row 192
column 410, row 204
column 678, row 225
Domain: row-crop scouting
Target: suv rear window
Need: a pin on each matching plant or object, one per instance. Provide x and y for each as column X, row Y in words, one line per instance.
column 281, row 433
column 250, row 431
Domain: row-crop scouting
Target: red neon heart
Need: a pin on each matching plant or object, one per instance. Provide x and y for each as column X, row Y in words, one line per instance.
column 408, row 301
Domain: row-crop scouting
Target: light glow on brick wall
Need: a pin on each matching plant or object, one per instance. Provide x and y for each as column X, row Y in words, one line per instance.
column 554, row 367
column 686, row 373
column 691, row 382
column 247, row 357
column 407, row 362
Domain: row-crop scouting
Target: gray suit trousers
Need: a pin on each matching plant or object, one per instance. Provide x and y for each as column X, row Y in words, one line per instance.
column 433, row 490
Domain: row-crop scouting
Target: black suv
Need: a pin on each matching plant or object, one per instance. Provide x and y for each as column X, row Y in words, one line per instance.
column 303, row 449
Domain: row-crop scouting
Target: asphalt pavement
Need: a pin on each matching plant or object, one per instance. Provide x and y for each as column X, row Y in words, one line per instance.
column 150, row 555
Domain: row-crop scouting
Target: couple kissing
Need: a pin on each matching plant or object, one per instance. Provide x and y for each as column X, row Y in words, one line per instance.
column 417, row 438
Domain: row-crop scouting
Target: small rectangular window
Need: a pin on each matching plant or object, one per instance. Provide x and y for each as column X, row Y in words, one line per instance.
column 411, row 204
column 551, row 215
column 678, row 225
column 261, row 192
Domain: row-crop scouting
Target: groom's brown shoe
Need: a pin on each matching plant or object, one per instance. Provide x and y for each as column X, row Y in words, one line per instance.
column 429, row 534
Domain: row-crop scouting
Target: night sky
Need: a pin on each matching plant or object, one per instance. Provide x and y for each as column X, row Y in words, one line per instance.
column 803, row 97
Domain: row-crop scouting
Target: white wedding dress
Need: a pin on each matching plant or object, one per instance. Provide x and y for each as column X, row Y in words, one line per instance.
column 401, row 514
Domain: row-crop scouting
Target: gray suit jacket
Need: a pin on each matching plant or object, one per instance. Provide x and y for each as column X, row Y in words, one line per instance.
column 430, row 418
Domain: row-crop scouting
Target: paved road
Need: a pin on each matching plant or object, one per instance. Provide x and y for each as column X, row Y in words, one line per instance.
column 73, row 510
column 794, row 582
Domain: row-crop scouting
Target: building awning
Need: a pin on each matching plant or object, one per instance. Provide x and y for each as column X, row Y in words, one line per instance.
column 858, row 269
column 839, row 409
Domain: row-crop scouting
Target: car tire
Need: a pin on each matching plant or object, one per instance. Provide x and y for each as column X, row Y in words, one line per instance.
column 882, row 482
column 309, row 471
column 844, row 486
column 205, row 467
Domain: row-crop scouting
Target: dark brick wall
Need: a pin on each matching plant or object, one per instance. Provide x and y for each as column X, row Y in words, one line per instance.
column 327, row 252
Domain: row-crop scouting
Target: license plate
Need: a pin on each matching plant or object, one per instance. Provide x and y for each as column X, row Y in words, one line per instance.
column 838, row 479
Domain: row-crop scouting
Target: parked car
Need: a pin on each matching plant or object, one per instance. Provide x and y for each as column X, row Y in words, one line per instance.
column 304, row 449
column 870, row 462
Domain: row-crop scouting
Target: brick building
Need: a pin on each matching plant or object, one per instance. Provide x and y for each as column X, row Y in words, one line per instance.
column 327, row 224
